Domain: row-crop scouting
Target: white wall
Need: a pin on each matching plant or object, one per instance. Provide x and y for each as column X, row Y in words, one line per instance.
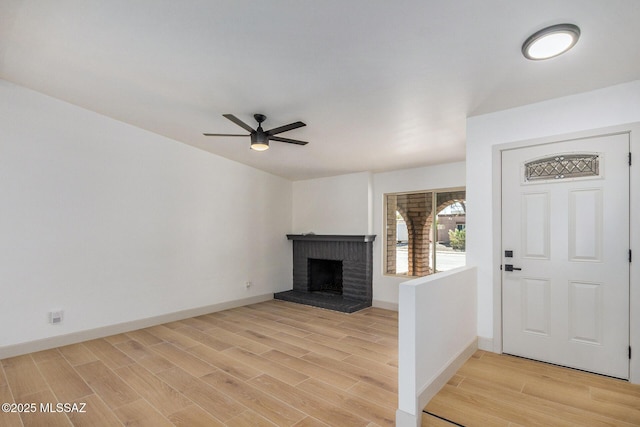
column 112, row 223
column 385, row 288
column 597, row 109
column 334, row 205
column 437, row 334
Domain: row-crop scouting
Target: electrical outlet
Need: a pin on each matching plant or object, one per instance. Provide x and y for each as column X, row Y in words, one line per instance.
column 248, row 284
column 55, row 317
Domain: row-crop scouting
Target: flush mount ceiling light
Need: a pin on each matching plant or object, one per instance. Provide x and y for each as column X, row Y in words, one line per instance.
column 551, row 41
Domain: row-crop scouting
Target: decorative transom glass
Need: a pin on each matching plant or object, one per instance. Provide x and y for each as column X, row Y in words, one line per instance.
column 562, row 166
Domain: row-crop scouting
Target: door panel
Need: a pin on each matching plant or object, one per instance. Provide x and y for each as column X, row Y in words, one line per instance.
column 585, row 225
column 585, row 311
column 536, row 306
column 565, row 216
column 535, row 225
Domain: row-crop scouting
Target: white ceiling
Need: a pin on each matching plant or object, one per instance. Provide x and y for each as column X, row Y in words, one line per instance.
column 381, row 84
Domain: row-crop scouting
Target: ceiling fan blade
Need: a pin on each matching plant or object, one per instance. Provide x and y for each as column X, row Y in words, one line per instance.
column 239, row 122
column 222, row 134
column 290, row 141
column 285, row 128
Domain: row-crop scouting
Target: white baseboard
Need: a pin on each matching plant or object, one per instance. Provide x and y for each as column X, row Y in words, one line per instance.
column 105, row 331
column 445, row 374
column 485, row 344
column 385, row 305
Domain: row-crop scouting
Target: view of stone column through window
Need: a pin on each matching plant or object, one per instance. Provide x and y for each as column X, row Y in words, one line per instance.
column 425, row 232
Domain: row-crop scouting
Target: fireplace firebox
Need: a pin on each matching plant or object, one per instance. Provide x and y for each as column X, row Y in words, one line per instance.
column 332, row 271
column 325, row 276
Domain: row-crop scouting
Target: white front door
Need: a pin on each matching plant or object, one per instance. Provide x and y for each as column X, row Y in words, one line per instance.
column 565, row 221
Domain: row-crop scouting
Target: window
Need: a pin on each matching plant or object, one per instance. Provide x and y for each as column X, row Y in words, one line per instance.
column 563, row 166
column 419, row 243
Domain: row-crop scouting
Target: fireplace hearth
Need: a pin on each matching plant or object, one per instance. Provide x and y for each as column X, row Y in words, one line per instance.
column 331, row 271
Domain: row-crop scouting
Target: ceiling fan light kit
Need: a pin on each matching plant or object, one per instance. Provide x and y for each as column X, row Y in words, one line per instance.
column 259, row 137
column 259, row 141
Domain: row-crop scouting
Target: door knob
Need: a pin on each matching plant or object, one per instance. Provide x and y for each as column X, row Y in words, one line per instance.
column 510, row 267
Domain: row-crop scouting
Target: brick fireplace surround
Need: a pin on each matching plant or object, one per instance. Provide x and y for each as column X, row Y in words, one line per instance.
column 356, row 255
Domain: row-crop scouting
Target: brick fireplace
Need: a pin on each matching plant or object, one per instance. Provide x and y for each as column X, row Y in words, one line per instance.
column 331, row 271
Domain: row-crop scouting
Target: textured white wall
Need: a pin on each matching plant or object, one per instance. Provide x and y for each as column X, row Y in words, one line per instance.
column 113, row 224
column 334, row 205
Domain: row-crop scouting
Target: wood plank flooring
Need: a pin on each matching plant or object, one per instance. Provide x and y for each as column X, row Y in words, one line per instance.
column 274, row 363
column 279, row 363
column 501, row 390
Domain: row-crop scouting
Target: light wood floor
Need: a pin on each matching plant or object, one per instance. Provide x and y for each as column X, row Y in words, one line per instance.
column 500, row 390
column 273, row 363
column 284, row 364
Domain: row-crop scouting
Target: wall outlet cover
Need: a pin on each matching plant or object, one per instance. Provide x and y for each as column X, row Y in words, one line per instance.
column 55, row 317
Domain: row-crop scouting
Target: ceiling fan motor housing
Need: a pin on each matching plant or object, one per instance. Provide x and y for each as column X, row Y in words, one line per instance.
column 259, row 137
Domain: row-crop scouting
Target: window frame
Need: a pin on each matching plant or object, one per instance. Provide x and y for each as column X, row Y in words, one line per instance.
column 432, row 232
